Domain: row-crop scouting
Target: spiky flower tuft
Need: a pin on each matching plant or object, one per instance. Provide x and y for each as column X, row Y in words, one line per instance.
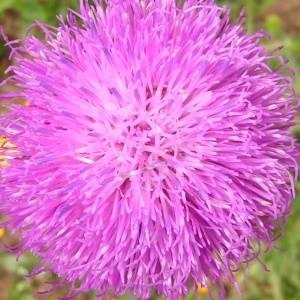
column 155, row 152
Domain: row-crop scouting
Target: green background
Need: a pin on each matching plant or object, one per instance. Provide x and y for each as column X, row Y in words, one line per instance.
column 283, row 280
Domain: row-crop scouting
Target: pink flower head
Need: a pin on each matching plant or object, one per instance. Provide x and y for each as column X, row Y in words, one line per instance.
column 155, row 152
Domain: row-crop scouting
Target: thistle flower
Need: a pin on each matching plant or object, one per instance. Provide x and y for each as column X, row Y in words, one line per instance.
column 155, row 152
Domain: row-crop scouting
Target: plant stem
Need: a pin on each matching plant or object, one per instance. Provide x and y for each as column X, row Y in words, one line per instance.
column 250, row 9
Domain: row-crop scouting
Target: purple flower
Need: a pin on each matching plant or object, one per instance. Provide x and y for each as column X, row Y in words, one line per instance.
column 155, row 152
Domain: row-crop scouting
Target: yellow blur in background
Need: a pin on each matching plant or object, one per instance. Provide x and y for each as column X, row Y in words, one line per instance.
column 5, row 144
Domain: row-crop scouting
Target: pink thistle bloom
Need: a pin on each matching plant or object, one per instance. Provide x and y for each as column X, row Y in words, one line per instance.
column 155, row 152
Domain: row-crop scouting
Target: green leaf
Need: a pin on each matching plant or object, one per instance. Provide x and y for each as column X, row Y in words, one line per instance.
column 273, row 25
column 20, row 290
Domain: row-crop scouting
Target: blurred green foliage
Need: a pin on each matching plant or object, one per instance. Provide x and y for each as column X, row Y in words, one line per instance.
column 43, row 10
column 283, row 280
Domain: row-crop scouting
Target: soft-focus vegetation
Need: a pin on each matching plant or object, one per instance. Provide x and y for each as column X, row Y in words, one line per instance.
column 283, row 280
